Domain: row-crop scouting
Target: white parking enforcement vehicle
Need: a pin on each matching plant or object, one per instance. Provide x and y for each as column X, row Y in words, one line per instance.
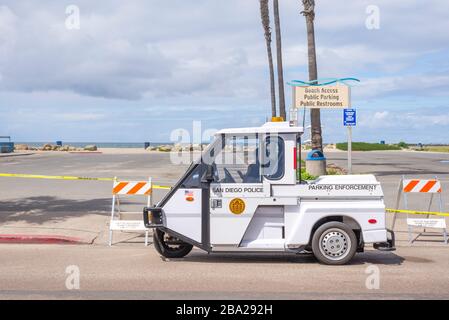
column 245, row 194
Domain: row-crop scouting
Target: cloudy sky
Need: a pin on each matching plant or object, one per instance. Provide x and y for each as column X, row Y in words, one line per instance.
column 135, row 70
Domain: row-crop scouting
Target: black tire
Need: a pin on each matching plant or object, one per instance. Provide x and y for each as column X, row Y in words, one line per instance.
column 334, row 243
column 169, row 250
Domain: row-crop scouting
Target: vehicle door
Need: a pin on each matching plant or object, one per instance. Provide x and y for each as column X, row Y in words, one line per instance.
column 237, row 189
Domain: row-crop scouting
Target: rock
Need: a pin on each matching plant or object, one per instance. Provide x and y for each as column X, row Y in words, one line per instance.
column 164, row 149
column 177, row 147
column 47, row 147
column 188, row 148
column 21, row 147
column 90, row 148
column 64, row 148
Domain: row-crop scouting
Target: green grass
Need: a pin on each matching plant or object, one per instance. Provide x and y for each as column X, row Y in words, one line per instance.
column 403, row 145
column 306, row 176
column 437, row 148
column 333, row 172
column 364, row 146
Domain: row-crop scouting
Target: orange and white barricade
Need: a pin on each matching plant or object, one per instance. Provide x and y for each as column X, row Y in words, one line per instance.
column 129, row 188
column 431, row 187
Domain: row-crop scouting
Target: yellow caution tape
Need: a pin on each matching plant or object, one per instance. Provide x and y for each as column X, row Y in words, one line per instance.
column 161, row 187
column 442, row 214
column 34, row 176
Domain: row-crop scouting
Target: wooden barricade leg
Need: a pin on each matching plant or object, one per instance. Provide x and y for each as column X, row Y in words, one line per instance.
column 112, row 218
column 149, row 201
column 440, row 204
column 409, row 227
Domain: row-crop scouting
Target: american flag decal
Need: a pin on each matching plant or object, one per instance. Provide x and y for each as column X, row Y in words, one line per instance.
column 189, row 195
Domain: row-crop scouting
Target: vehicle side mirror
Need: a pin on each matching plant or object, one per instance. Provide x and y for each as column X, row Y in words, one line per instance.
column 209, row 173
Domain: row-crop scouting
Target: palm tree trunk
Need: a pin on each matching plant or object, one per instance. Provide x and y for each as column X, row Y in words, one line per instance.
column 265, row 15
column 315, row 115
column 277, row 24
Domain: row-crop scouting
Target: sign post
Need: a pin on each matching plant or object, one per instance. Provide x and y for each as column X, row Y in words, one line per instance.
column 349, row 121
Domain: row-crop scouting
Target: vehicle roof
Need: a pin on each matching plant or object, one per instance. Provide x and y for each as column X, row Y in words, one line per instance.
column 269, row 127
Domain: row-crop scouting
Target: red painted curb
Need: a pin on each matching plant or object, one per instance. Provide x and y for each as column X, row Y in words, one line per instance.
column 39, row 239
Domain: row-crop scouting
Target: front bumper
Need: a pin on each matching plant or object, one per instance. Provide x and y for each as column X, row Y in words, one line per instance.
column 153, row 217
column 390, row 245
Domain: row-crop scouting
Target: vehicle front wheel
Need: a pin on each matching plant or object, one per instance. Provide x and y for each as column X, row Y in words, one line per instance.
column 334, row 243
column 169, row 246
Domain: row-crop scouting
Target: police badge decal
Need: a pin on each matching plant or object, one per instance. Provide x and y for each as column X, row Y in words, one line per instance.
column 237, row 206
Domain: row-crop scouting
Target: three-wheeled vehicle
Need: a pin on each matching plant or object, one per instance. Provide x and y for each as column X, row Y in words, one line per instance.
column 245, row 194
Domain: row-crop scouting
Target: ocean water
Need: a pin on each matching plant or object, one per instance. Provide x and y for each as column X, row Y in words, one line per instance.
column 98, row 144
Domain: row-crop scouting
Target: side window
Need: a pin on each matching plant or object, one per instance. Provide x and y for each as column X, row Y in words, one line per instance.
column 194, row 178
column 274, row 158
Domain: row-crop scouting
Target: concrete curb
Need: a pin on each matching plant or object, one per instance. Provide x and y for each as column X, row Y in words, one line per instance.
column 8, row 155
column 39, row 239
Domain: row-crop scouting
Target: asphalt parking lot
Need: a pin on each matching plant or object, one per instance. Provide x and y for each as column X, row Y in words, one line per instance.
column 129, row 270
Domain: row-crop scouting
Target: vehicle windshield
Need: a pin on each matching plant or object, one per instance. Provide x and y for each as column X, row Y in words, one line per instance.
column 240, row 159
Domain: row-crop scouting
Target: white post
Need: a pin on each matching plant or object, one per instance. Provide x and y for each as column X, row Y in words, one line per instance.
column 149, row 204
column 349, row 136
column 112, row 212
column 398, row 202
column 112, row 219
column 349, row 150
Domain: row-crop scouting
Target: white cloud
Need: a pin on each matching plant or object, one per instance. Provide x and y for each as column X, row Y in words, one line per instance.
column 79, row 116
column 417, row 118
column 381, row 115
column 8, row 33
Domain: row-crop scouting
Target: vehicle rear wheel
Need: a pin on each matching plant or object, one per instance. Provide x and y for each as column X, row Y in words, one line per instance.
column 169, row 246
column 334, row 243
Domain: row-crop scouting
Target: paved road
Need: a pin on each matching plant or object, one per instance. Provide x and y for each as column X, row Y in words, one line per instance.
column 125, row 272
column 131, row 271
column 389, row 165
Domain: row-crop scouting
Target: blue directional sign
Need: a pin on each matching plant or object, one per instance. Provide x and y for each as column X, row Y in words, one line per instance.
column 349, row 117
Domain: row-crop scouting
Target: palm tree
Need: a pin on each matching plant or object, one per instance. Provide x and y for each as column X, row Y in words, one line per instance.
column 265, row 15
column 315, row 115
column 277, row 24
